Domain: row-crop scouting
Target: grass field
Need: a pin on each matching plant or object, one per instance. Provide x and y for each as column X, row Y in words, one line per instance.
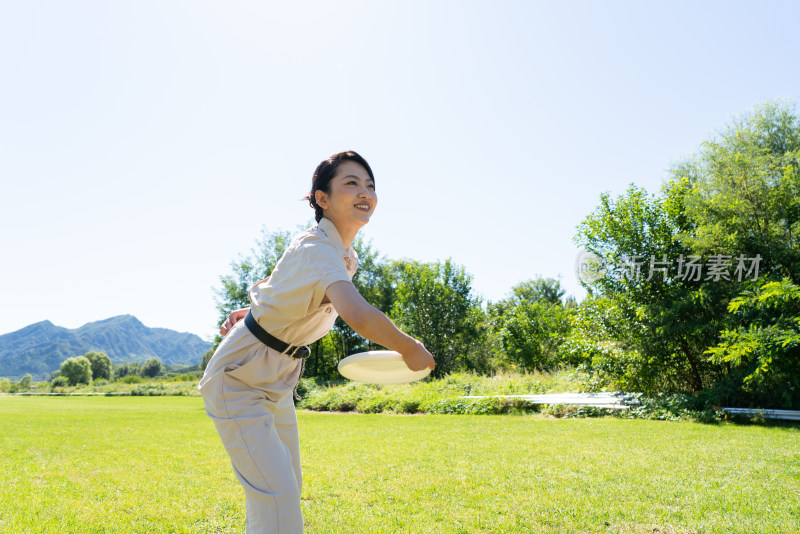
column 155, row 464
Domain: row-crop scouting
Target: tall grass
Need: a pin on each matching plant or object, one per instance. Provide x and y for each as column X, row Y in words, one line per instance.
column 440, row 396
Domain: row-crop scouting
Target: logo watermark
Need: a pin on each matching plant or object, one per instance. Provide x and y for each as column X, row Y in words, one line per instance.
column 590, row 267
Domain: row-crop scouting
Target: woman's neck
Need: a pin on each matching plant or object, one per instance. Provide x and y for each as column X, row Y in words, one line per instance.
column 347, row 232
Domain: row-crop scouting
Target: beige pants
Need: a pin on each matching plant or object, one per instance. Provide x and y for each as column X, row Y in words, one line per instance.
column 247, row 389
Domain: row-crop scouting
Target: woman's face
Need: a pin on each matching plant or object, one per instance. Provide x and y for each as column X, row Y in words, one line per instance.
column 351, row 198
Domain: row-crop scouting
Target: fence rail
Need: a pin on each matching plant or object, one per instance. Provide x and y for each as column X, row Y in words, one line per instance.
column 786, row 415
column 613, row 400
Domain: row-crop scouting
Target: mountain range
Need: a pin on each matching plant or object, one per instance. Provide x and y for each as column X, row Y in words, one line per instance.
column 40, row 348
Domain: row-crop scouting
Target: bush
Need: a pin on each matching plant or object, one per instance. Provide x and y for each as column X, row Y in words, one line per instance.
column 185, row 377
column 59, row 382
column 130, row 379
column 437, row 396
column 149, row 390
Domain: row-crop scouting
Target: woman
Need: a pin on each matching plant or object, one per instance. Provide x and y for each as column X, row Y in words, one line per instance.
column 248, row 383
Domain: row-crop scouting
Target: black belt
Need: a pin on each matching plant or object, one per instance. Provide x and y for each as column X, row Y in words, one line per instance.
column 300, row 353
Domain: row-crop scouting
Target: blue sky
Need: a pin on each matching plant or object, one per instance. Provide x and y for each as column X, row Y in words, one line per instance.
column 144, row 145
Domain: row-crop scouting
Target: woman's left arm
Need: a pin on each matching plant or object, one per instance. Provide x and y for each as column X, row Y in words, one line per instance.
column 233, row 318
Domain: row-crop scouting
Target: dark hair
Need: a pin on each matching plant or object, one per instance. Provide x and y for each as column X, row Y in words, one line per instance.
column 326, row 171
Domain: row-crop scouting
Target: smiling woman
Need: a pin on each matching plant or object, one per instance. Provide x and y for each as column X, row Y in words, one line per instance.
column 248, row 383
column 351, row 167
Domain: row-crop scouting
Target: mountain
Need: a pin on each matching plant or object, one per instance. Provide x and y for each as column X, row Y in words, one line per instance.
column 40, row 348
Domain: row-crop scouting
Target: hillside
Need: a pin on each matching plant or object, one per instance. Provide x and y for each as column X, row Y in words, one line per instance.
column 40, row 348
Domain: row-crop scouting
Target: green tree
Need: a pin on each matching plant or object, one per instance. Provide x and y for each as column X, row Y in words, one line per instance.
column 152, row 368
column 25, row 382
column 532, row 333
column 735, row 202
column 530, row 325
column 101, row 365
column 600, row 343
column 127, row 368
column 77, row 370
column 435, row 304
column 5, row 385
column 762, row 348
column 668, row 320
column 206, row 357
column 538, row 290
column 743, row 191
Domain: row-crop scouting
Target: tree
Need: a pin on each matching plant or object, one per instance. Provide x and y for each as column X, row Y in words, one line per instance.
column 127, row 368
column 763, row 347
column 538, row 290
column 732, row 211
column 530, row 324
column 101, row 365
column 77, row 370
column 434, row 303
column 743, row 191
column 670, row 320
column 25, row 382
column 152, row 368
column 532, row 332
column 206, row 357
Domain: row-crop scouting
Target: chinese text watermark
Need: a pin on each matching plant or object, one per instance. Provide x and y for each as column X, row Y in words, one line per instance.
column 590, row 267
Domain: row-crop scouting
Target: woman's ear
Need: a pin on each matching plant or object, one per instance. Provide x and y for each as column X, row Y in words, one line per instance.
column 321, row 197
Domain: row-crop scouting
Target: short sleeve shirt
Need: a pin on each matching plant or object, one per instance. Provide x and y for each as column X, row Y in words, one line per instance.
column 289, row 304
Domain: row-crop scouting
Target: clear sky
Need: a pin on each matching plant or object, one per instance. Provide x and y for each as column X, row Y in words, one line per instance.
column 144, row 145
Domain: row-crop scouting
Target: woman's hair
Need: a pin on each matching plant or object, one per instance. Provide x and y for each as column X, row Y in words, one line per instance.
column 326, row 171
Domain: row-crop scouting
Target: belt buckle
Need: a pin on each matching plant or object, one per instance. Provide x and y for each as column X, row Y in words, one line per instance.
column 304, row 350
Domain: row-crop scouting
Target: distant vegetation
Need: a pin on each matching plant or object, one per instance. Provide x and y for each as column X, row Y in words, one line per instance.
column 39, row 349
column 94, row 373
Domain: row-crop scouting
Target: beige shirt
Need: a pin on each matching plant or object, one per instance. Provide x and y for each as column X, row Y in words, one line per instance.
column 289, row 304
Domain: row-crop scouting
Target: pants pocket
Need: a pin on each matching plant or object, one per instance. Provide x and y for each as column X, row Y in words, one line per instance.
column 267, row 370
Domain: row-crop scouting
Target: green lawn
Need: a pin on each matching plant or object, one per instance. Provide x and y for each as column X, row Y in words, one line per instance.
column 155, row 464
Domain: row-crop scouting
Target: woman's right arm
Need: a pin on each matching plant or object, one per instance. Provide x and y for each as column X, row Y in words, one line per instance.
column 371, row 323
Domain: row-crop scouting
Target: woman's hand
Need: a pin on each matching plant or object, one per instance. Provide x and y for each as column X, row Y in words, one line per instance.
column 418, row 358
column 233, row 318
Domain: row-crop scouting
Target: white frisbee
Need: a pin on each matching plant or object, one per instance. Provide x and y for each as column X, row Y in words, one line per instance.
column 379, row 367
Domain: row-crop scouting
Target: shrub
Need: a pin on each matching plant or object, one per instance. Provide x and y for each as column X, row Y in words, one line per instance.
column 185, row 377
column 149, row 390
column 59, row 382
column 130, row 379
